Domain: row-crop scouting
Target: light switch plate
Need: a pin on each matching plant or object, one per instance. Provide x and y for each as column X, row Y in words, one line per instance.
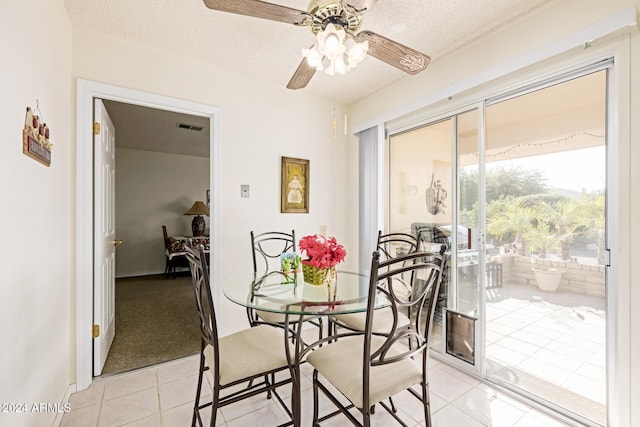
column 244, row 190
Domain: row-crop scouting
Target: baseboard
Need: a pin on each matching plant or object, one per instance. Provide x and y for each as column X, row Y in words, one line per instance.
column 64, row 404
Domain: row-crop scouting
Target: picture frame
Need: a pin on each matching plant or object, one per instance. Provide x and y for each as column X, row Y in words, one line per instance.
column 294, row 190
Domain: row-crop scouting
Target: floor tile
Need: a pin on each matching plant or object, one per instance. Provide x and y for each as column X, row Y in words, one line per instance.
column 178, row 392
column 152, row 421
column 447, row 386
column 181, row 416
column 246, row 406
column 87, row 397
column 450, row 416
column 489, row 409
column 81, row 417
column 269, row 415
column 178, row 369
column 123, row 384
column 129, row 408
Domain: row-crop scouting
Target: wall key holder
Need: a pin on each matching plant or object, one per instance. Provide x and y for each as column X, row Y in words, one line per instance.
column 35, row 137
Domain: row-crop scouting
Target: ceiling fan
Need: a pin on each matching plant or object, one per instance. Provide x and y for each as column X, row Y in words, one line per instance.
column 335, row 24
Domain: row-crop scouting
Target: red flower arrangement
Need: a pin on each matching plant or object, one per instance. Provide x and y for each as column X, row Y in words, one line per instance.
column 322, row 252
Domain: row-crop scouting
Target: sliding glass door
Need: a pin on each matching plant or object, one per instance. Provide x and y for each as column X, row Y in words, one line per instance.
column 545, row 209
column 515, row 188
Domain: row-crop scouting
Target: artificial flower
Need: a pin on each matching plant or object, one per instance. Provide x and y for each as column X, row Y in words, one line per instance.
column 322, row 252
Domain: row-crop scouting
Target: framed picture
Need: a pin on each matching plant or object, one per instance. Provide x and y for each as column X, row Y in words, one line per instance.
column 294, row 194
column 208, row 198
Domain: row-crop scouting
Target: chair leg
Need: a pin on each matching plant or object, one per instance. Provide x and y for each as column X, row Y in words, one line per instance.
column 393, row 407
column 196, row 410
column 266, row 381
column 315, row 399
column 426, row 403
column 214, row 406
column 366, row 419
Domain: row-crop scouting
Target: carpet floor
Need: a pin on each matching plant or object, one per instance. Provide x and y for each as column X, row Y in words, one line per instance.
column 156, row 321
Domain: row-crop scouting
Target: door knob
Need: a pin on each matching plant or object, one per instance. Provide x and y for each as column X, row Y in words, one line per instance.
column 117, row 242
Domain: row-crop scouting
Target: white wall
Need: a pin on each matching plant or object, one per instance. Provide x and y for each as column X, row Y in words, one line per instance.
column 154, row 189
column 549, row 40
column 36, row 258
column 260, row 122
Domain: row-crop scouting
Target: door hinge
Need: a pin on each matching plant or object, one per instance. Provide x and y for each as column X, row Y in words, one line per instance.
column 96, row 128
column 608, row 264
column 96, row 331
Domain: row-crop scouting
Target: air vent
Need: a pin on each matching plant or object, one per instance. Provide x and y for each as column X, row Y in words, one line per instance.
column 190, row 127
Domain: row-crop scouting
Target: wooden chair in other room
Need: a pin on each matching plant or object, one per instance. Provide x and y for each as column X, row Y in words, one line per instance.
column 175, row 255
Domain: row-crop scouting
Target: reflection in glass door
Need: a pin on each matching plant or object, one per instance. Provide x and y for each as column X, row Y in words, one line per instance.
column 422, row 200
column 516, row 191
column 545, row 222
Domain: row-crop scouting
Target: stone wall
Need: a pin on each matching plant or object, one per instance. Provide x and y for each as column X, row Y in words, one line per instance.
column 577, row 278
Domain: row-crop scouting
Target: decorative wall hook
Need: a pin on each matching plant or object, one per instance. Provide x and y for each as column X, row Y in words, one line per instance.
column 35, row 136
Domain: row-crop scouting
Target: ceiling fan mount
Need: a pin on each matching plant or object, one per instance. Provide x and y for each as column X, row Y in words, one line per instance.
column 346, row 17
column 325, row 12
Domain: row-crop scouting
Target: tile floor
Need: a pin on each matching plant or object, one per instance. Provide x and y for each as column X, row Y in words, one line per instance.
column 162, row 396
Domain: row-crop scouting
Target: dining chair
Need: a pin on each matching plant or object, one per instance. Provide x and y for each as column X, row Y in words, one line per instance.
column 389, row 246
column 175, row 256
column 369, row 367
column 266, row 250
column 252, row 355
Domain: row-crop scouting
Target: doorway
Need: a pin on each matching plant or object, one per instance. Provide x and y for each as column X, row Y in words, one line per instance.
column 515, row 186
column 86, row 93
column 161, row 164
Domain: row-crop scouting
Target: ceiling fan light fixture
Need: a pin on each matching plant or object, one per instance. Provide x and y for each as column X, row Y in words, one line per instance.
column 331, row 41
column 332, row 44
column 339, row 65
column 357, row 52
column 334, row 52
column 314, row 57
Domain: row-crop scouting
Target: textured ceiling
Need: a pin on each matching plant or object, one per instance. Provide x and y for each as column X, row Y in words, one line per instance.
column 150, row 129
column 271, row 50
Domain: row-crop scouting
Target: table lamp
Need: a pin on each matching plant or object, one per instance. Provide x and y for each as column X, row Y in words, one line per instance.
column 197, row 225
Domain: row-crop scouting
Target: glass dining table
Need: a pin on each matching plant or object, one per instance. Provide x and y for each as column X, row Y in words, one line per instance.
column 290, row 295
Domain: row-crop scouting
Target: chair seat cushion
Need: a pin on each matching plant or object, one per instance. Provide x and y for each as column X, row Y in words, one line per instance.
column 382, row 320
column 341, row 364
column 249, row 353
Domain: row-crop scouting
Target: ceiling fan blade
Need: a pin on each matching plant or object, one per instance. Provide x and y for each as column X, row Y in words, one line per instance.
column 302, row 75
column 261, row 9
column 400, row 56
column 357, row 7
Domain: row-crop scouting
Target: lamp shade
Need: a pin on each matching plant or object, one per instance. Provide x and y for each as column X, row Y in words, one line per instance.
column 198, row 208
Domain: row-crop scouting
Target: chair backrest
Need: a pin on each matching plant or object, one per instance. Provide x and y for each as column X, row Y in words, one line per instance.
column 267, row 247
column 423, row 270
column 166, row 237
column 391, row 245
column 204, row 301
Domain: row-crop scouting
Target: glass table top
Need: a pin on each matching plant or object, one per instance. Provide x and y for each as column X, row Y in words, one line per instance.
column 290, row 294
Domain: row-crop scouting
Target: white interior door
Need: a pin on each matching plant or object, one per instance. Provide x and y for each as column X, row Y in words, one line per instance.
column 104, row 237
